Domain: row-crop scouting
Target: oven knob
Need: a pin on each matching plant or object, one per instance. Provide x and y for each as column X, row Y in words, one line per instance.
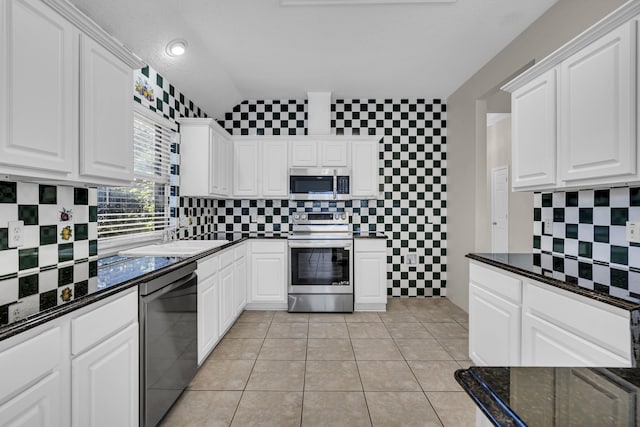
column 336, row 216
column 303, row 216
column 296, row 216
column 343, row 215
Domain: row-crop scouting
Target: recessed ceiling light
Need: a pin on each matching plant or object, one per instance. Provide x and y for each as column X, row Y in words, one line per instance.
column 176, row 47
column 356, row 2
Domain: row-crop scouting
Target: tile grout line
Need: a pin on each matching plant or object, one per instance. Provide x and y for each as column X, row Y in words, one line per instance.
column 360, row 377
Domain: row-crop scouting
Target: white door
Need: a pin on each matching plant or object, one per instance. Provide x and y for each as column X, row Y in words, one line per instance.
column 303, row 153
column 370, row 271
column 240, row 285
column 38, row 115
column 365, row 174
column 500, row 209
column 227, row 306
column 268, row 279
column 597, row 108
column 533, row 122
column 208, row 316
column 274, row 169
column 39, row 406
column 334, row 154
column 104, row 382
column 246, row 165
column 106, row 114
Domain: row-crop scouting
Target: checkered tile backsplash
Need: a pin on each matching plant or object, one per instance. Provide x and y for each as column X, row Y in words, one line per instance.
column 588, row 224
column 413, row 166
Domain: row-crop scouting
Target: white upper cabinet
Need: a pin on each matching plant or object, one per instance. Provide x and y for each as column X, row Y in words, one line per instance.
column 534, row 133
column 274, row 169
column 597, row 108
column 246, row 163
column 303, row 154
column 364, row 169
column 38, row 116
column 574, row 113
column 205, row 155
column 334, row 153
column 66, row 104
column 106, row 114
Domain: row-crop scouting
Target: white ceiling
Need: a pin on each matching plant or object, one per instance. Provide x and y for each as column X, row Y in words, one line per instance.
column 257, row 49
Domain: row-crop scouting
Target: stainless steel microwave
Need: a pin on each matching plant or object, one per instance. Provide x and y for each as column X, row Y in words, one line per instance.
column 319, row 184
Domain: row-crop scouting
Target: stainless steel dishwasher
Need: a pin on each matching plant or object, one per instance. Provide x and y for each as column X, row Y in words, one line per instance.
column 168, row 341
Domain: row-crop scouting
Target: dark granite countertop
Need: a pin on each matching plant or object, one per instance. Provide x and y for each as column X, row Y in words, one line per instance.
column 601, row 282
column 527, row 396
column 369, row 235
column 54, row 292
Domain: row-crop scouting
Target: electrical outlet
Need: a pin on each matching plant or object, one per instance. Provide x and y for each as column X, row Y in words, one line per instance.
column 411, row 259
column 184, row 221
column 547, row 227
column 16, row 234
column 254, row 217
column 633, row 231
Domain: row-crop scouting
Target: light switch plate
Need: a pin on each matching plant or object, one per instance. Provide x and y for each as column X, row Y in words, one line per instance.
column 633, row 231
column 547, row 227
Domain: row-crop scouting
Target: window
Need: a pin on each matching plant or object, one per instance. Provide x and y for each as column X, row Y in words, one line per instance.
column 142, row 207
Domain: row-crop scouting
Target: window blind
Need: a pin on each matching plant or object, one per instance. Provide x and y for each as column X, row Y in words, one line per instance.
column 142, row 207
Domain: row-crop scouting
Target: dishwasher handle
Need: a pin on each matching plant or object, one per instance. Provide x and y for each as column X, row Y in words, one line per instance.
column 186, row 280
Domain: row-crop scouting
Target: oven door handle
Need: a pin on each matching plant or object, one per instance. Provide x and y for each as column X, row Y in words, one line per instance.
column 324, row 244
column 335, row 185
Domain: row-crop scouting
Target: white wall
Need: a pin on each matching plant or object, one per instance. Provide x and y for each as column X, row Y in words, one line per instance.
column 466, row 133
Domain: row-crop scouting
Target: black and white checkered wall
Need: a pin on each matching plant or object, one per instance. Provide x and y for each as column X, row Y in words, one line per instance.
column 413, row 166
column 589, row 225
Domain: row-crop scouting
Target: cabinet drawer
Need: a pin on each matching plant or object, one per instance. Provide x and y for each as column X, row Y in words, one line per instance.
column 208, row 267
column 240, row 251
column 596, row 322
column 94, row 326
column 25, row 362
column 226, row 258
column 498, row 283
column 268, row 246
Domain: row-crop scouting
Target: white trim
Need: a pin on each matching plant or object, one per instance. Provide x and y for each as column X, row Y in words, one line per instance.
column 112, row 245
column 89, row 27
column 493, row 215
column 615, row 19
column 147, row 113
column 493, row 118
column 356, row 2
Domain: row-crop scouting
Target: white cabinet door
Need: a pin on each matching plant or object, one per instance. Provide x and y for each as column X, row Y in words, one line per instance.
column 303, row 154
column 274, row 169
column 334, row 153
column 364, row 170
column 38, row 406
column 370, row 273
column 213, row 170
column 240, row 285
column 597, row 109
column 105, row 382
column 246, row 164
column 534, row 133
column 227, row 304
column 208, row 316
column 106, row 114
column 494, row 329
column 268, row 271
column 38, row 78
column 225, row 165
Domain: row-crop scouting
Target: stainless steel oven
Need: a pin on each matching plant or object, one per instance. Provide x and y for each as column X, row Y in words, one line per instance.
column 319, row 184
column 320, row 263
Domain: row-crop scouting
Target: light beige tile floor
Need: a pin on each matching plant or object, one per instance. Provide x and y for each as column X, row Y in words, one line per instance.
column 369, row 369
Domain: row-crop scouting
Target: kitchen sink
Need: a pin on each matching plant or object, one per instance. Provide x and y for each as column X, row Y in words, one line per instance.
column 180, row 248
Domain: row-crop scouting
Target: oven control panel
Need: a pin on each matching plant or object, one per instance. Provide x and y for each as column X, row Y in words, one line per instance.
column 320, row 218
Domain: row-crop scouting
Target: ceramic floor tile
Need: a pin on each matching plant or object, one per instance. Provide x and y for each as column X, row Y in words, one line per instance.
column 446, row 330
column 339, row 409
column 326, row 318
column 283, row 349
column 203, row 409
column 398, row 317
column 329, row 349
column 284, row 317
column 436, row 315
column 361, row 316
column 435, row 375
column 458, row 348
column 271, row 375
column 237, row 348
column 376, row 349
column 331, row 375
column 268, row 409
column 328, row 330
column 387, row 376
column 222, row 375
column 248, row 330
column 406, row 409
column 424, row 349
column 453, row 408
column 368, row 330
column 407, row 330
column 288, row 330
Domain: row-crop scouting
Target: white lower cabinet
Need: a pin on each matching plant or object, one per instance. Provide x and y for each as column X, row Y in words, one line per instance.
column 268, row 274
column 105, row 382
column 370, row 274
column 208, row 319
column 227, row 305
column 514, row 321
column 240, row 278
column 44, row 383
